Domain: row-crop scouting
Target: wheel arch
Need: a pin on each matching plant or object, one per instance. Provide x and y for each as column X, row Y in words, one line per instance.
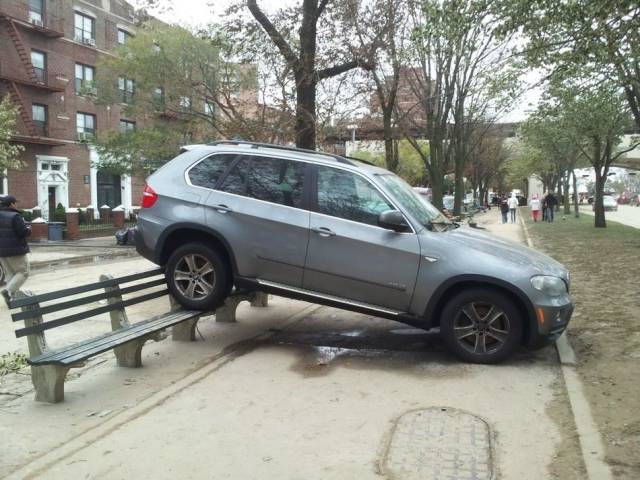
column 181, row 233
column 456, row 284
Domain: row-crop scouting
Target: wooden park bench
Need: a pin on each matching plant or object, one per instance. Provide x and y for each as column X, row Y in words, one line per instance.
column 49, row 367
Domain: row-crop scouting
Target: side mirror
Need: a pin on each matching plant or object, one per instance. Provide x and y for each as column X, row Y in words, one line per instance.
column 393, row 220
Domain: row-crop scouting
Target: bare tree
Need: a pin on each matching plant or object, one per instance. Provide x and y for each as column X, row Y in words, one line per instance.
column 300, row 55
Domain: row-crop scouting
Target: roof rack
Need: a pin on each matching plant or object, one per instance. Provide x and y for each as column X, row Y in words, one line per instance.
column 338, row 158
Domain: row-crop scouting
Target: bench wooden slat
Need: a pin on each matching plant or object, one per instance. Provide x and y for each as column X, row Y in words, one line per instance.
column 84, row 300
column 83, row 350
column 21, row 332
column 21, row 302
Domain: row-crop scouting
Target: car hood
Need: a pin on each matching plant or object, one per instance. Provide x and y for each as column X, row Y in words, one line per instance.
column 525, row 257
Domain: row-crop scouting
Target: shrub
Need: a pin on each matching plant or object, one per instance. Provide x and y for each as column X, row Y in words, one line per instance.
column 27, row 215
column 60, row 214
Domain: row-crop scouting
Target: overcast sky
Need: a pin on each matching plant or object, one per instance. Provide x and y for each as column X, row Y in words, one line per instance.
column 195, row 13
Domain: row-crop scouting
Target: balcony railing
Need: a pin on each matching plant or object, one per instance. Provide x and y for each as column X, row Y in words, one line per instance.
column 40, row 129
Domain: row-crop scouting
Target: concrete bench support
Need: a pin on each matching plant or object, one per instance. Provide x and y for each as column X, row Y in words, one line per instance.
column 48, row 380
column 185, row 331
column 227, row 313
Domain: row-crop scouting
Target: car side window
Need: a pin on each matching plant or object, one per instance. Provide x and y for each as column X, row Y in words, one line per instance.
column 207, row 172
column 276, row 180
column 346, row 195
column 236, row 180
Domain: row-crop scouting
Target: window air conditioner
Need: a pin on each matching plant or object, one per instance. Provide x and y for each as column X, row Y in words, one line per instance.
column 36, row 21
column 85, row 137
column 89, row 41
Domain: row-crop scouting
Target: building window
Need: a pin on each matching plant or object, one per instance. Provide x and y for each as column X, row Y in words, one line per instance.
column 185, row 103
column 127, row 126
column 158, row 98
column 126, row 89
column 39, row 62
column 84, row 79
column 39, row 116
column 85, row 29
column 209, row 109
column 85, row 125
column 36, row 12
column 123, row 36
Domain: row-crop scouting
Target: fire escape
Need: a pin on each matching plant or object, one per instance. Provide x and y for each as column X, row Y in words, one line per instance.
column 31, row 79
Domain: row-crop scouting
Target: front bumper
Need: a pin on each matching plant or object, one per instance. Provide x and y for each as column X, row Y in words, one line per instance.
column 551, row 321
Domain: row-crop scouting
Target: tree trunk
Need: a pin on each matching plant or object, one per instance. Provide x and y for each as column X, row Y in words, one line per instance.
column 601, row 177
column 576, row 205
column 390, row 153
column 305, row 111
column 567, row 198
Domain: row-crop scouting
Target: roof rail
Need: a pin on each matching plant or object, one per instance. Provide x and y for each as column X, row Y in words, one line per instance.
column 338, row 158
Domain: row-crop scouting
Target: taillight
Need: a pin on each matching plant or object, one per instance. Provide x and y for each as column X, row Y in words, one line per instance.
column 149, row 197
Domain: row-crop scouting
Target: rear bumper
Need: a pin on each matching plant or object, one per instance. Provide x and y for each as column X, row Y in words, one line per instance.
column 141, row 246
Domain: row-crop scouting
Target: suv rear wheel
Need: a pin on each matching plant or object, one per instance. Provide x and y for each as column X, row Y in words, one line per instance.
column 197, row 277
column 481, row 326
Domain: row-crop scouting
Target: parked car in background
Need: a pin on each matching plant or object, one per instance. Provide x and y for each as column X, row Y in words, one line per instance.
column 608, row 202
column 335, row 231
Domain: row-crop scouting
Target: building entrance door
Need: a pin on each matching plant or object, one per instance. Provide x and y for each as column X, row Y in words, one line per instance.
column 52, row 202
column 109, row 190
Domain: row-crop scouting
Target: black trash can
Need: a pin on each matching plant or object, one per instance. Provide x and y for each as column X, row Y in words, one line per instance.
column 55, row 230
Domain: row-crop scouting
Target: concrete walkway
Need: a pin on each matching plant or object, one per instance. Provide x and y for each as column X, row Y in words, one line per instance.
column 291, row 391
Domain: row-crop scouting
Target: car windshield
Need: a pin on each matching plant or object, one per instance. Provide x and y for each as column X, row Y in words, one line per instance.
column 420, row 208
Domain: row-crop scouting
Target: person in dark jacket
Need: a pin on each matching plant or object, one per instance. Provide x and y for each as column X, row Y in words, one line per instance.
column 13, row 246
column 551, row 203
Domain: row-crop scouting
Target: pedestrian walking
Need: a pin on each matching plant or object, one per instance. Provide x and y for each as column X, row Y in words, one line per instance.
column 551, row 202
column 504, row 209
column 535, row 207
column 513, row 205
column 13, row 246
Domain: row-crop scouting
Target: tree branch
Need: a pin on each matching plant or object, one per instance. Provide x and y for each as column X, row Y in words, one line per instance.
column 338, row 69
column 274, row 34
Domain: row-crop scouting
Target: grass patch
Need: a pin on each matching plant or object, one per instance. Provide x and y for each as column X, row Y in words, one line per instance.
column 605, row 328
column 12, row 362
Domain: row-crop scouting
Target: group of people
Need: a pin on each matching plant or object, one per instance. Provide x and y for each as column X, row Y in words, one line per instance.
column 547, row 205
column 544, row 206
column 508, row 206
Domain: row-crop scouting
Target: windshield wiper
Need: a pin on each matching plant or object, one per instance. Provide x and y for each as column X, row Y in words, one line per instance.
column 449, row 224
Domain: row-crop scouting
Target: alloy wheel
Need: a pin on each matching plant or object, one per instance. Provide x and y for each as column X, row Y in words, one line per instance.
column 194, row 276
column 481, row 327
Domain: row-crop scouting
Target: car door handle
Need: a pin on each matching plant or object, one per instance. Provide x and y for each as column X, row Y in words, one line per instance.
column 222, row 209
column 324, row 232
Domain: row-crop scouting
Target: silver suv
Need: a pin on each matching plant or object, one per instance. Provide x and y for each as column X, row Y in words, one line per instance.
column 336, row 231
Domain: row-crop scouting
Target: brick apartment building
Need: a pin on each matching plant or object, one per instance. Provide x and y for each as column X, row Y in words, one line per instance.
column 48, row 55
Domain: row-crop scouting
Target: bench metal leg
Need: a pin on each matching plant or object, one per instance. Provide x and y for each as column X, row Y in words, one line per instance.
column 48, row 381
column 130, row 354
column 260, row 299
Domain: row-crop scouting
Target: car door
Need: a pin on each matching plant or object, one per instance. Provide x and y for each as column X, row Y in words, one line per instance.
column 349, row 255
column 259, row 208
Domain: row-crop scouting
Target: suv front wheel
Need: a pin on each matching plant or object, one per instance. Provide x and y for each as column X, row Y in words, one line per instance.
column 481, row 326
column 197, row 277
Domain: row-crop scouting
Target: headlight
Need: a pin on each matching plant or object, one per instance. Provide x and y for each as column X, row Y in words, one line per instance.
column 552, row 286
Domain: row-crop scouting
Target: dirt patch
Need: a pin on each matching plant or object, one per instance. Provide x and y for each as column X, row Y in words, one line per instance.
column 605, row 329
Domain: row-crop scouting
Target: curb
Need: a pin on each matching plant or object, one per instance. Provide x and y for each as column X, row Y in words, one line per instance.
column 589, row 438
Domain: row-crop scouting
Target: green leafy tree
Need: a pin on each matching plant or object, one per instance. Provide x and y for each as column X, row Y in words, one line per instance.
column 8, row 151
column 459, row 76
column 410, row 165
column 184, row 91
column 601, row 38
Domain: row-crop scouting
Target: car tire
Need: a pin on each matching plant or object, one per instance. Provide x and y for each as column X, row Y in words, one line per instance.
column 198, row 277
column 481, row 325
